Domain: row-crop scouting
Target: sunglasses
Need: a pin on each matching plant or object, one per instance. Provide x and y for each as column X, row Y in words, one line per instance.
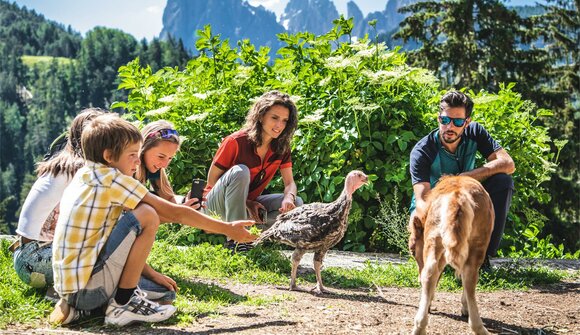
column 457, row 121
column 164, row 133
column 258, row 179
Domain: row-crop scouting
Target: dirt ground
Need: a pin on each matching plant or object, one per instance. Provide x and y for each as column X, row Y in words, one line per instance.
column 553, row 309
column 549, row 310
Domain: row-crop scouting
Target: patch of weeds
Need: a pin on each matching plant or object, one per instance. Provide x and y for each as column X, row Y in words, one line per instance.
column 19, row 303
column 262, row 300
column 512, row 276
column 391, row 221
column 259, row 266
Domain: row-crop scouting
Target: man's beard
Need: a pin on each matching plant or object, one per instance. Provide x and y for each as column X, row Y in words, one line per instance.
column 450, row 140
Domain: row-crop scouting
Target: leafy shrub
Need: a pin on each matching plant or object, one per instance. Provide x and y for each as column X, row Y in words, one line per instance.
column 360, row 107
column 391, row 233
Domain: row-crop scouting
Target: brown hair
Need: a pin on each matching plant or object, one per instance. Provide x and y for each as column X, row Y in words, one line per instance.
column 110, row 132
column 453, row 99
column 70, row 159
column 253, row 124
column 151, row 140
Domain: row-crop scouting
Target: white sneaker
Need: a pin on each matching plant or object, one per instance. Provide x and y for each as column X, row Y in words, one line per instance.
column 138, row 309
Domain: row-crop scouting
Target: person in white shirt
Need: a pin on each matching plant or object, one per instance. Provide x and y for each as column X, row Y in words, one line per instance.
column 33, row 249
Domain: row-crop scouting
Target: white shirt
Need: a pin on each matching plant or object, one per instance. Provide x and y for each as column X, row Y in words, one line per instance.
column 40, row 202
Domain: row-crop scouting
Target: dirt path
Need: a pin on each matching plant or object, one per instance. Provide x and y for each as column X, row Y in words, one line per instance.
column 546, row 310
column 551, row 310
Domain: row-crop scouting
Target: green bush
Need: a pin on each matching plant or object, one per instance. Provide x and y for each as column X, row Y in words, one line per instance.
column 360, row 107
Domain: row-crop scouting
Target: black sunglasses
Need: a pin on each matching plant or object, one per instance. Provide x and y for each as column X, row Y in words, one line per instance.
column 457, row 121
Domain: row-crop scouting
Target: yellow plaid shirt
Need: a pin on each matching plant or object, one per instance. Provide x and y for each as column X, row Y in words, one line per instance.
column 89, row 209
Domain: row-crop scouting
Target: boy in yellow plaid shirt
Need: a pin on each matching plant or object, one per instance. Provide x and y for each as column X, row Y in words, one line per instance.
column 99, row 252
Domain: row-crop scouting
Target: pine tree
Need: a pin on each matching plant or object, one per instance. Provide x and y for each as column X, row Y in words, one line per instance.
column 474, row 43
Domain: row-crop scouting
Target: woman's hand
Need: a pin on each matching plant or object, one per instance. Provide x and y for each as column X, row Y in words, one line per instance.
column 287, row 204
column 194, row 203
column 254, row 210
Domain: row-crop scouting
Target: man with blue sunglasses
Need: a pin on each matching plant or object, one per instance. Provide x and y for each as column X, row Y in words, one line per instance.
column 451, row 150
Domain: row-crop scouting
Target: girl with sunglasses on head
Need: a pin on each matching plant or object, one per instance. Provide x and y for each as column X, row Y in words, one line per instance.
column 37, row 220
column 248, row 159
column 160, row 144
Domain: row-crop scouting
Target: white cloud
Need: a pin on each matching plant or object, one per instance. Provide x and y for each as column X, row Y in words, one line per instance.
column 154, row 9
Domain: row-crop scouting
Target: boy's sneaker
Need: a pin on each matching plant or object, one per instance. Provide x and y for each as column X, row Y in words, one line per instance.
column 138, row 309
column 64, row 313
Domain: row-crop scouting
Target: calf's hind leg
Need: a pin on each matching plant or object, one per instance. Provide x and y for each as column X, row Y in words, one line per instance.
column 469, row 277
column 429, row 279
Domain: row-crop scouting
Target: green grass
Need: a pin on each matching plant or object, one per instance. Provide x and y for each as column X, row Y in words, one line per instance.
column 31, row 61
column 200, row 269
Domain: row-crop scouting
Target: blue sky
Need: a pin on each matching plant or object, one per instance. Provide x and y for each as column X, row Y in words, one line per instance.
column 143, row 18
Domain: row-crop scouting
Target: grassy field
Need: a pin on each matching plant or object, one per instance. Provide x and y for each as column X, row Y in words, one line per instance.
column 198, row 268
column 31, row 61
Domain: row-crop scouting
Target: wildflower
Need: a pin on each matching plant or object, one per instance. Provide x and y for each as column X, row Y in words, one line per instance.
column 316, row 116
column 158, row 111
column 197, row 117
column 200, row 96
column 168, row 99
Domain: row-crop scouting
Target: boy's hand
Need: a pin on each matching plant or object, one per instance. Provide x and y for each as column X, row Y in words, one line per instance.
column 165, row 281
column 239, row 233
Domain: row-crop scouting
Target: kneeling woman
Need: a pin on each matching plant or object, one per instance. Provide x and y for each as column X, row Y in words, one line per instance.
column 248, row 159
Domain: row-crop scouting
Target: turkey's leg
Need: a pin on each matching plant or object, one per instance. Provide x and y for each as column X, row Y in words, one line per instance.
column 296, row 257
column 318, row 257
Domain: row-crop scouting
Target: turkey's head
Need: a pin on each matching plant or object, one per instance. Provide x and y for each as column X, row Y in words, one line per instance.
column 354, row 180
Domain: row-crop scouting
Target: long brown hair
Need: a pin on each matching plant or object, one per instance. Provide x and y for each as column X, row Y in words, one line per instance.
column 70, row 159
column 253, row 124
column 150, row 141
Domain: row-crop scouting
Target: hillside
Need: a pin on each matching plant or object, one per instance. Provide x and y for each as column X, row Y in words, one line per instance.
column 30, row 33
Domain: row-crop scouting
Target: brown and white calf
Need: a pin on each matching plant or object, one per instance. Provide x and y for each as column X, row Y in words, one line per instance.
column 456, row 230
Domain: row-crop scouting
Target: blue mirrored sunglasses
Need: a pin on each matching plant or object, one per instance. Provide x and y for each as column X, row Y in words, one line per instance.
column 457, row 121
column 164, row 133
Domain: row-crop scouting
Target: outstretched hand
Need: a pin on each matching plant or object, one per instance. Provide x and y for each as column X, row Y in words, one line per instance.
column 239, row 233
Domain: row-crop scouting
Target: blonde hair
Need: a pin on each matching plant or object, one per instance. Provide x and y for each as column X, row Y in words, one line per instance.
column 70, row 158
column 108, row 132
column 253, row 124
column 152, row 139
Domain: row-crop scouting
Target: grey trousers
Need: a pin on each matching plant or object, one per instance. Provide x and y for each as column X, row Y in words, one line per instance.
column 227, row 198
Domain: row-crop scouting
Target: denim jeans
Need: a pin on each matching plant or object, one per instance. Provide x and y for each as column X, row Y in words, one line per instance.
column 227, row 198
column 33, row 263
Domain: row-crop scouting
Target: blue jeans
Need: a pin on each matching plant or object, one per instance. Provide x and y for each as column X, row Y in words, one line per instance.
column 33, row 263
column 227, row 198
column 109, row 266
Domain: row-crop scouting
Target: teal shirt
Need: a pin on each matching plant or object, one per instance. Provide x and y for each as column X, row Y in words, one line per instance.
column 430, row 161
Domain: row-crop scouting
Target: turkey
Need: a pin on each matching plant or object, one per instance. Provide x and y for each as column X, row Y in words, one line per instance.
column 315, row 227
